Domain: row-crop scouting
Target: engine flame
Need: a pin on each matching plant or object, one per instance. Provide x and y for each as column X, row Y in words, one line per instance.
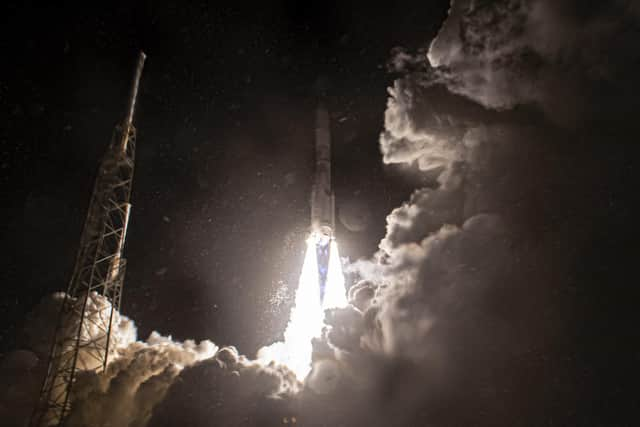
column 307, row 316
column 335, row 295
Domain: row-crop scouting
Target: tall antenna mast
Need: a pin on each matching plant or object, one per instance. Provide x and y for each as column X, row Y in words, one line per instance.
column 84, row 338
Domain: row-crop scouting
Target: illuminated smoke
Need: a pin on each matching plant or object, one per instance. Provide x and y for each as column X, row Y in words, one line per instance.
column 137, row 377
column 307, row 316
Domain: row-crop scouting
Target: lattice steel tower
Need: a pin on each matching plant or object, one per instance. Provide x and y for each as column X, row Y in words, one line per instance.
column 84, row 330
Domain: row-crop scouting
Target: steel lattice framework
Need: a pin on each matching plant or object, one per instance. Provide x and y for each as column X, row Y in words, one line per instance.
column 84, row 337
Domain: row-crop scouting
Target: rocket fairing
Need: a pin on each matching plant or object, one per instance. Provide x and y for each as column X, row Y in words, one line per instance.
column 322, row 198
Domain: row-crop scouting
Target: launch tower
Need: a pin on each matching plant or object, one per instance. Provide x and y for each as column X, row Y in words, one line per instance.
column 84, row 333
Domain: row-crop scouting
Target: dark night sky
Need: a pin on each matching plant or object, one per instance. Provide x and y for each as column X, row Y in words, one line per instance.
column 223, row 172
column 225, row 128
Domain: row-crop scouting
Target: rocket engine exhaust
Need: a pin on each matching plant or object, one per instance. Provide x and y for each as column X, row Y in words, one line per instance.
column 321, row 285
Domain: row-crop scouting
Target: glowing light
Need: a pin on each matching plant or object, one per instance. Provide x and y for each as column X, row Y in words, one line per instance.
column 307, row 316
column 335, row 295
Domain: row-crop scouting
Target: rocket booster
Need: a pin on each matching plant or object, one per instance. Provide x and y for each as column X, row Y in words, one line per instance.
column 322, row 198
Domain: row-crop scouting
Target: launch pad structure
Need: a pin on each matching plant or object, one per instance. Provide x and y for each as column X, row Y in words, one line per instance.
column 84, row 333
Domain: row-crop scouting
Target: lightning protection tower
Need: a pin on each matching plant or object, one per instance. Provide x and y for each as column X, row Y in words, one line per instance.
column 84, row 331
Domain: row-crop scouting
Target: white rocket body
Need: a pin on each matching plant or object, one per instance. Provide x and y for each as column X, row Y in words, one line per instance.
column 322, row 198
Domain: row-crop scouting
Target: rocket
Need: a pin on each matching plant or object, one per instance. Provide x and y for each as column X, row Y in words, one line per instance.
column 322, row 198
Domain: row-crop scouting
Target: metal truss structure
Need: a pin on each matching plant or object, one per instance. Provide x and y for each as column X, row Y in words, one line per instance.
column 84, row 335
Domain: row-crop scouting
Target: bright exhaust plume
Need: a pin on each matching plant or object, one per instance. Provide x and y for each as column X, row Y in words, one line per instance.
column 307, row 316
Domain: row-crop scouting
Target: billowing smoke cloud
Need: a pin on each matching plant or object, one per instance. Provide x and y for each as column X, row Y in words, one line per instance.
column 135, row 380
column 466, row 301
column 229, row 390
column 559, row 55
column 142, row 374
column 460, row 317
